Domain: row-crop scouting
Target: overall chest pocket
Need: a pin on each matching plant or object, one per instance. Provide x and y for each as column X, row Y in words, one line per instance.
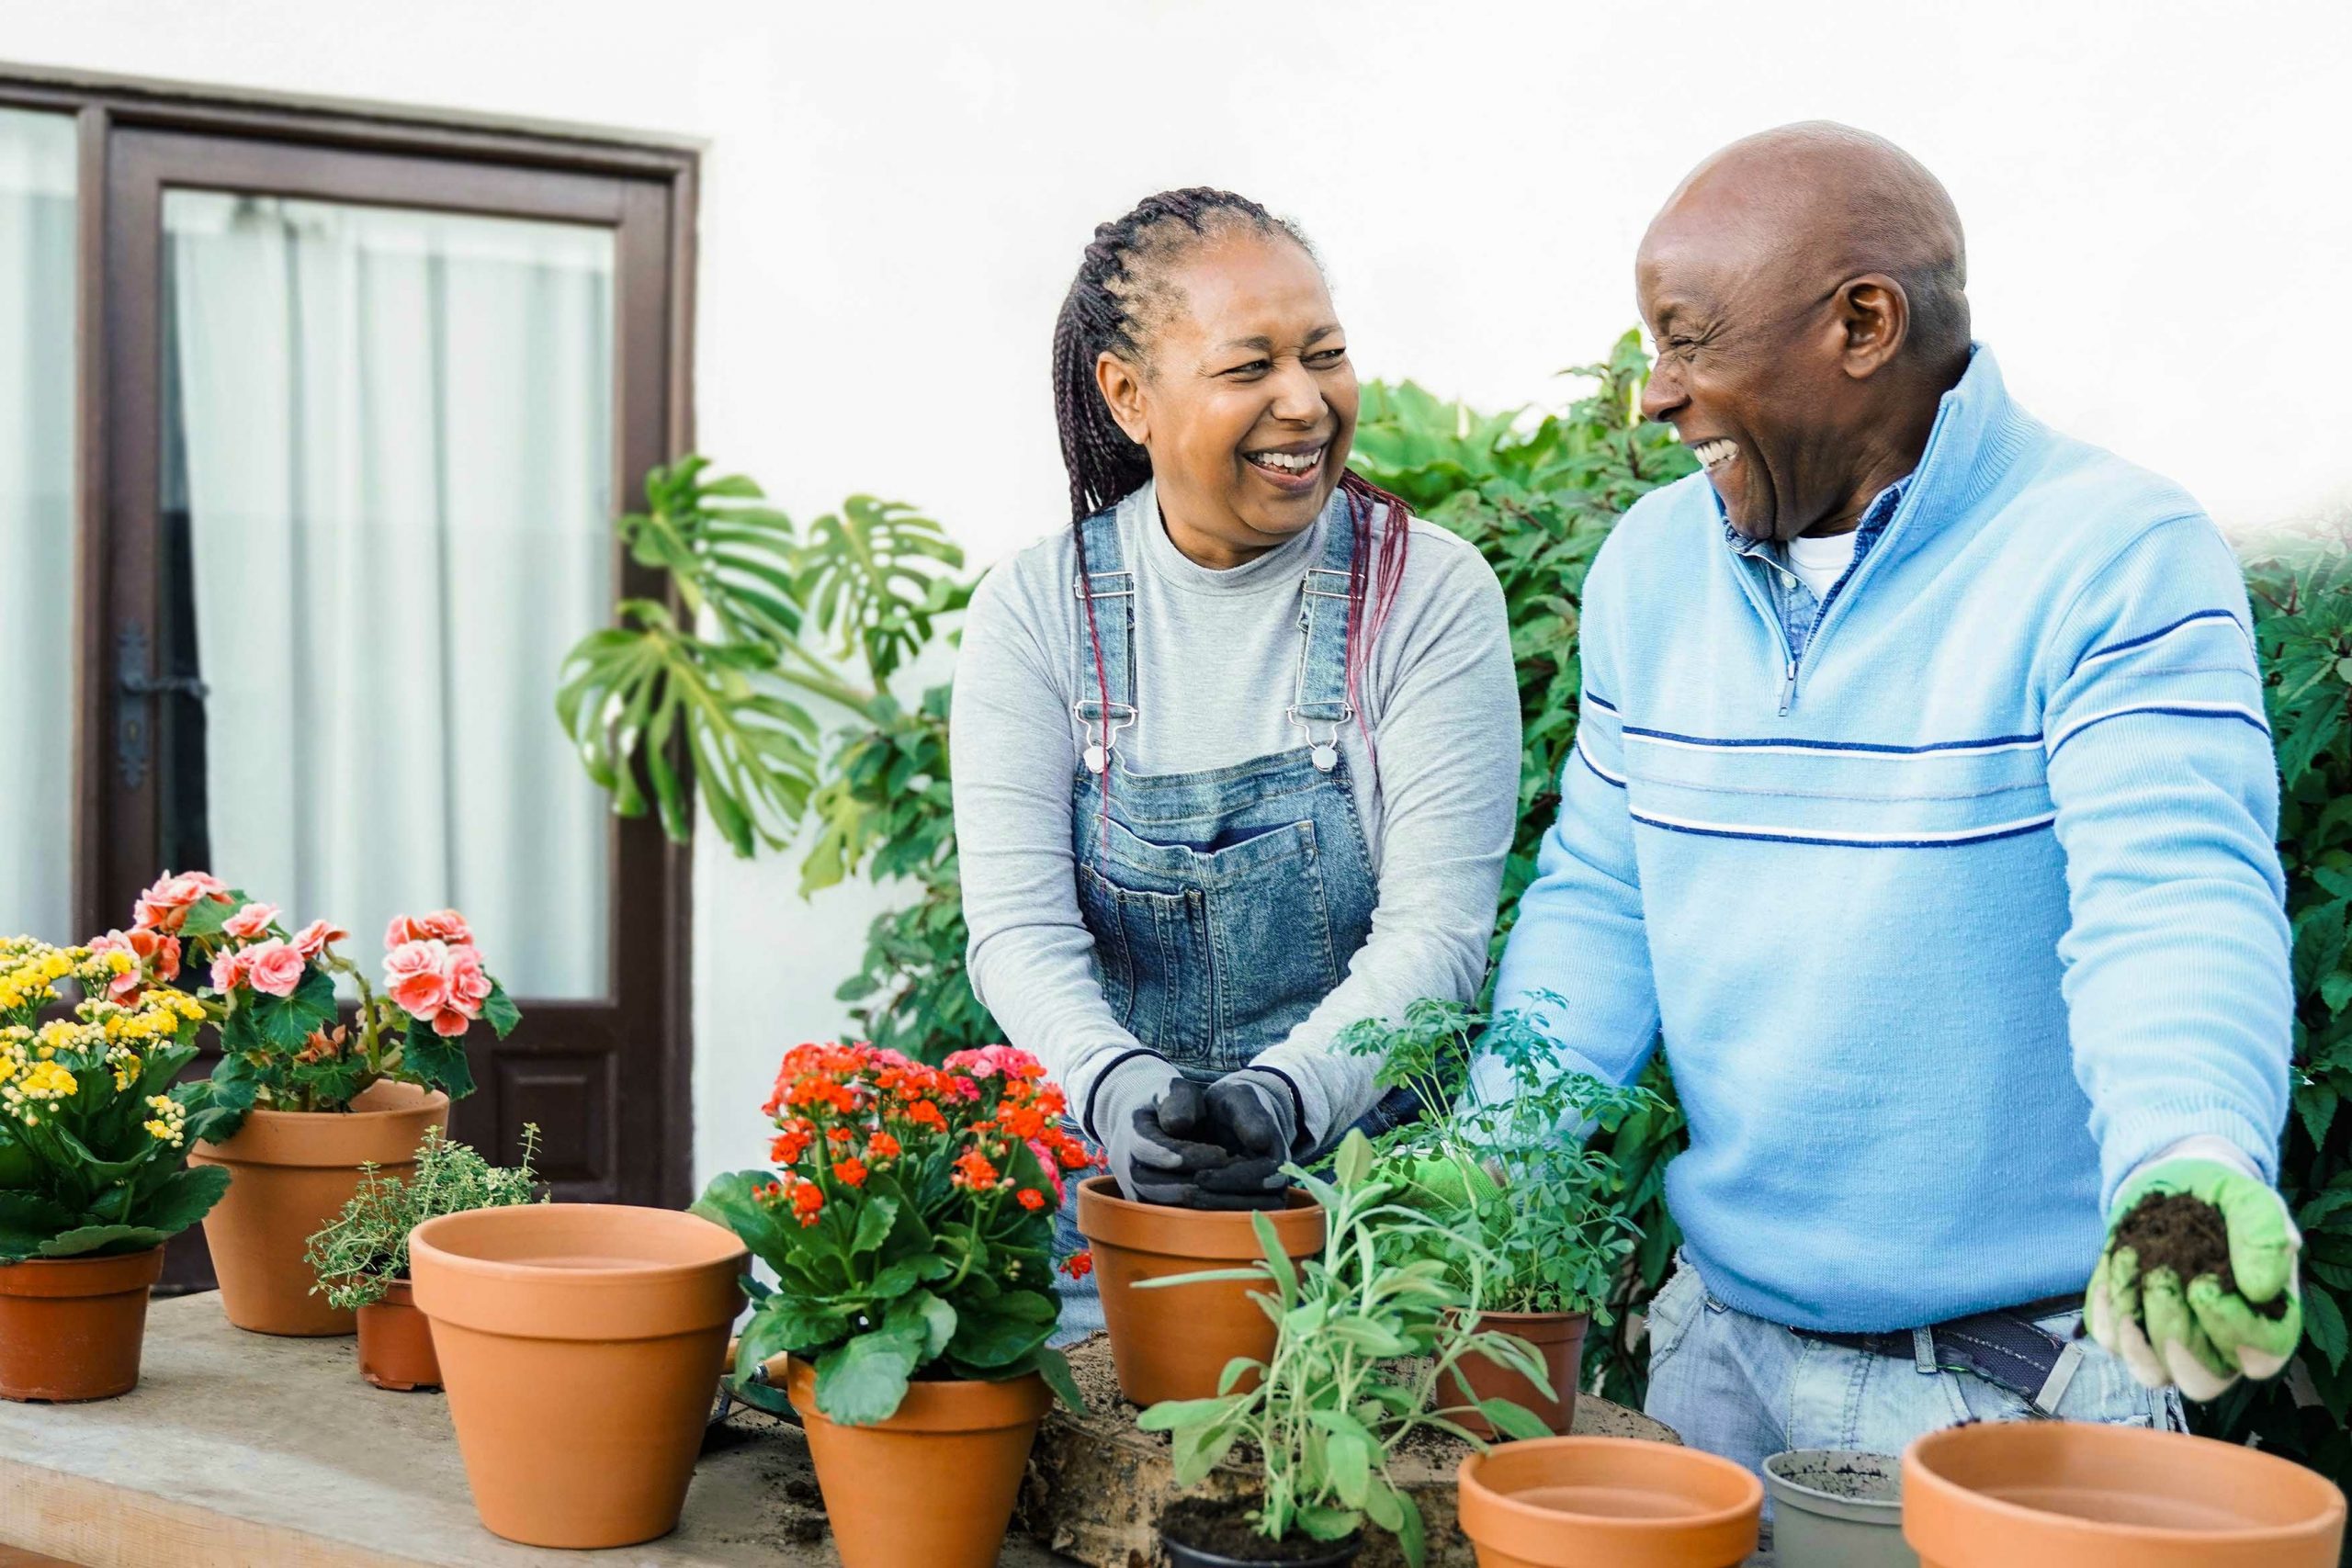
column 1209, row 956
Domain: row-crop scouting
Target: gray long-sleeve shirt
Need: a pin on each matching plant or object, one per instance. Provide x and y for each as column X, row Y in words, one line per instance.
column 1216, row 652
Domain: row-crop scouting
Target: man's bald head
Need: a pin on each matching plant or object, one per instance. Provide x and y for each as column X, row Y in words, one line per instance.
column 1806, row 288
column 1822, row 202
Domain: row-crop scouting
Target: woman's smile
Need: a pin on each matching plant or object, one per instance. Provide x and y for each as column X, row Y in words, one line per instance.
column 1292, row 468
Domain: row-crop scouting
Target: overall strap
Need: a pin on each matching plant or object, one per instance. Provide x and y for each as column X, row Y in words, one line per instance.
column 1320, row 693
column 1112, row 590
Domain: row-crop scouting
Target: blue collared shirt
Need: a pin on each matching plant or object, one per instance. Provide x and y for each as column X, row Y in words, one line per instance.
column 1792, row 597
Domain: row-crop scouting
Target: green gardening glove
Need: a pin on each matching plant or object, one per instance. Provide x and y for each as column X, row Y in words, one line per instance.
column 2198, row 1334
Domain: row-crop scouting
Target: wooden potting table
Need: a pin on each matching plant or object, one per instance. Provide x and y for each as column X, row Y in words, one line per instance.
column 240, row 1450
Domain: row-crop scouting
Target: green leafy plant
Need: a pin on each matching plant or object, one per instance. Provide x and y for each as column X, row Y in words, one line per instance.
column 1553, row 1235
column 909, row 1223
column 93, row 1143
column 1366, row 1334
column 761, row 623
column 2301, row 586
column 364, row 1251
column 275, row 1002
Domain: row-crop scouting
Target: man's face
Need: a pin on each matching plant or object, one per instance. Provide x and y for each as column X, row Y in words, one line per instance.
column 1748, row 373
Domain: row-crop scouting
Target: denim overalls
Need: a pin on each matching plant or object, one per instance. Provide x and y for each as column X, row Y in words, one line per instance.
column 1224, row 904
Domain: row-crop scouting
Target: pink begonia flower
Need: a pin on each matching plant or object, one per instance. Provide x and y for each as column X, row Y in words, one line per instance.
column 441, row 925
column 272, row 966
column 469, row 982
column 449, row 1023
column 314, row 937
column 165, row 905
column 153, row 951
column 251, row 921
column 416, row 977
column 228, row 969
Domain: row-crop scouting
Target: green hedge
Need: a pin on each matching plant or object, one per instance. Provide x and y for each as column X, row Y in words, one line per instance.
column 1538, row 498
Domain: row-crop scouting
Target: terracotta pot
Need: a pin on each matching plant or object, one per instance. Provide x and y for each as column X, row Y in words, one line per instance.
column 396, row 1342
column 71, row 1327
column 291, row 1172
column 1174, row 1343
column 2069, row 1495
column 934, row 1486
column 1557, row 1337
column 1607, row 1503
column 579, row 1344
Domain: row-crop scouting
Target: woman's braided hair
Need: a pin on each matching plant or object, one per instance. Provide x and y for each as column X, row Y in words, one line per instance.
column 1118, row 298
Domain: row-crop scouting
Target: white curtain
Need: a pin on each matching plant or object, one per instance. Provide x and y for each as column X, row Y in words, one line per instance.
column 37, row 522
column 396, row 430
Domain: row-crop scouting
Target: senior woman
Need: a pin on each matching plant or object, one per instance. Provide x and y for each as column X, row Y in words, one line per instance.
column 1236, row 753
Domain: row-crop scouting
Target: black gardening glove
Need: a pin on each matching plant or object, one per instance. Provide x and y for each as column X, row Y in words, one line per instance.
column 1153, row 1148
column 1252, row 1114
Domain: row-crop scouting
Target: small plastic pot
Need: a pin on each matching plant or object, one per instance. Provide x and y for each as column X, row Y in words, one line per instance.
column 396, row 1342
column 1174, row 1343
column 1607, row 1503
column 2070, row 1494
column 1557, row 1337
column 70, row 1328
column 1837, row 1509
column 1182, row 1554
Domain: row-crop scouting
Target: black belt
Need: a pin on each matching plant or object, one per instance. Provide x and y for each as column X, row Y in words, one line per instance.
column 2006, row 1347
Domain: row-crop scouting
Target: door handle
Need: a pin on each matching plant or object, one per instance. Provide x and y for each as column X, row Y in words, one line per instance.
column 137, row 686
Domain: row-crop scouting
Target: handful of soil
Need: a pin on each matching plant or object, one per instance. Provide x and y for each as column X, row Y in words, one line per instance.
column 2184, row 1233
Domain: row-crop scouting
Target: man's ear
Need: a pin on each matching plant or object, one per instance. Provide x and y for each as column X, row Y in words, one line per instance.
column 1121, row 386
column 1875, row 315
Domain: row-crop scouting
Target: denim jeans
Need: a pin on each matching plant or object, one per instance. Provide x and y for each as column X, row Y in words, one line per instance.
column 1747, row 1389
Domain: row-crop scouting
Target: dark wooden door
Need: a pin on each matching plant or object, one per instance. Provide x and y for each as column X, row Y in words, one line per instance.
column 603, row 1074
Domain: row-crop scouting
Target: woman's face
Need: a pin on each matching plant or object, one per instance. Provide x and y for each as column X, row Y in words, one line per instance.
column 1247, row 403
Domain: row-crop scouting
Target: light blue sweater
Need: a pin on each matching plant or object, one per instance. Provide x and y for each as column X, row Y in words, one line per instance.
column 1953, row 922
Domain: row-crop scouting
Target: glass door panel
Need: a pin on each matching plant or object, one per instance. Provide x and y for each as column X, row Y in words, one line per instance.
column 385, row 513
column 36, row 388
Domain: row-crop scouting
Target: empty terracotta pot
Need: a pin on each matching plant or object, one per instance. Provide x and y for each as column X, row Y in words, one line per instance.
column 934, row 1486
column 70, row 1328
column 2069, row 1495
column 1557, row 1337
column 291, row 1172
column 1607, row 1503
column 1174, row 1343
column 396, row 1342
column 579, row 1344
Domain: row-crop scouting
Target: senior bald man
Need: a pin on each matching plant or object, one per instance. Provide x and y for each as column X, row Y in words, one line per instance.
column 1923, row 803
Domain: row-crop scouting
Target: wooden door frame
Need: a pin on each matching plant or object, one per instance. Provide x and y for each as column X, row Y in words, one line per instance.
column 135, row 135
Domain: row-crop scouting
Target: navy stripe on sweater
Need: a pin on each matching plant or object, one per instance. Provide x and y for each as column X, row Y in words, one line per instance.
column 1720, row 830
column 1872, row 748
column 2112, row 649
column 2177, row 710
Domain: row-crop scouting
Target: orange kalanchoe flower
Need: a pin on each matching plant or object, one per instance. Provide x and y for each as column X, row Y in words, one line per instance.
column 850, row 1172
column 1030, row 1198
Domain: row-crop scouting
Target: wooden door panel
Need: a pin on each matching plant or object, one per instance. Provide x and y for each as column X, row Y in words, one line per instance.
column 605, row 1079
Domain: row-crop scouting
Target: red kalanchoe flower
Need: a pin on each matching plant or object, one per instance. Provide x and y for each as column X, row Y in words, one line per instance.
column 1078, row 1265
column 973, row 1171
column 850, row 1172
column 807, row 1202
column 881, row 1145
column 1030, row 1198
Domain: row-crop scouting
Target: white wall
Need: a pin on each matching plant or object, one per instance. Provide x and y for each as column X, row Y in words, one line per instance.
column 2156, row 200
